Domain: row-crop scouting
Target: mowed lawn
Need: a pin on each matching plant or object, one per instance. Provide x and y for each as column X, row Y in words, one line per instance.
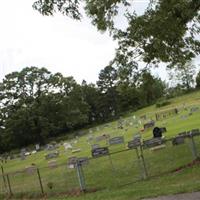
column 117, row 177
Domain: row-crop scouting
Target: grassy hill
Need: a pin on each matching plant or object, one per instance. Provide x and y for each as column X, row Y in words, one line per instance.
column 118, row 176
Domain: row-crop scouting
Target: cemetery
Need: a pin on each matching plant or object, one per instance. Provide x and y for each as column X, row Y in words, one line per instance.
column 164, row 145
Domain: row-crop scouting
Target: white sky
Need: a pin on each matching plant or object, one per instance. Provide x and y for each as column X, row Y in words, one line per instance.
column 58, row 43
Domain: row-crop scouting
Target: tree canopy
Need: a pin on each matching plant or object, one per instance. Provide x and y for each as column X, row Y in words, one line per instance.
column 36, row 104
column 166, row 32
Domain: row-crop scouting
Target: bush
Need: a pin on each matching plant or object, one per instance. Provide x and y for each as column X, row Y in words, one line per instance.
column 162, row 103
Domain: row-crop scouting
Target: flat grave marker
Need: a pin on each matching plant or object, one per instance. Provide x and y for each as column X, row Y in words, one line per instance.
column 76, row 150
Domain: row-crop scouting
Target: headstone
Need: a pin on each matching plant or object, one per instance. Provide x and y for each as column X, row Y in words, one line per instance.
column 195, row 132
column 178, row 140
column 50, row 147
column 152, row 142
column 30, row 169
column 67, row 146
column 101, row 151
column 34, row 152
column 94, row 146
column 163, row 129
column 116, row 140
column 71, row 163
column 37, row 147
column 22, row 154
column 52, row 155
column 102, row 137
column 194, row 109
column 27, row 154
column 149, row 124
column 83, row 161
column 133, row 144
column 184, row 134
column 52, row 164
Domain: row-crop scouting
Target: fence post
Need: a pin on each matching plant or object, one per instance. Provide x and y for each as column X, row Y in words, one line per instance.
column 143, row 163
column 80, row 175
column 9, row 186
column 40, row 181
column 3, row 175
column 139, row 163
column 193, row 148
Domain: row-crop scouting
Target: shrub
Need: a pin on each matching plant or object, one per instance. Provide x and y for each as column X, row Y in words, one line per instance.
column 162, row 103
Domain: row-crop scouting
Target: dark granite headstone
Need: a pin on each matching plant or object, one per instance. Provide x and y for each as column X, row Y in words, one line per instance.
column 152, row 142
column 178, row 140
column 149, row 124
column 101, row 151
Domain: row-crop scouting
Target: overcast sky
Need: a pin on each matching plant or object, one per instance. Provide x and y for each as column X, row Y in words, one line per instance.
column 58, row 43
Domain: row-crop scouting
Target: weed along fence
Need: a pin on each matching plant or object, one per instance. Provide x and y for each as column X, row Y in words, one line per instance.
column 105, row 168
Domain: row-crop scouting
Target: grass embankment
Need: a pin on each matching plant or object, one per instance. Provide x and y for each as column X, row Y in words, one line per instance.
column 100, row 174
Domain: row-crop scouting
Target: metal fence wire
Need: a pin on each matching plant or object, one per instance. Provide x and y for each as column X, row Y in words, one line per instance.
column 105, row 171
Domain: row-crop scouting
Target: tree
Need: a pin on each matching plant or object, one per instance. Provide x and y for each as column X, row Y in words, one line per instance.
column 167, row 31
column 151, row 88
column 109, row 97
column 184, row 74
column 198, row 80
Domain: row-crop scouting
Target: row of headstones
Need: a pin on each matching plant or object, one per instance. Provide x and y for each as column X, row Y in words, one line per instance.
column 156, row 141
column 133, row 144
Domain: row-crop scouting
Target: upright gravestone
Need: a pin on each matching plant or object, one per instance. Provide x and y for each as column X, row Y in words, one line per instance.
column 83, row 161
column 71, row 163
column 52, row 155
column 149, row 124
column 22, row 154
column 195, row 132
column 101, row 151
column 67, row 146
column 116, row 140
column 152, row 142
column 30, row 169
column 95, row 146
column 37, row 147
column 178, row 140
column 50, row 147
column 133, row 144
column 52, row 164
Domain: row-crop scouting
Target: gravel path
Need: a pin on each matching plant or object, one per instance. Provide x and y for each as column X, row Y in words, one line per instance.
column 186, row 196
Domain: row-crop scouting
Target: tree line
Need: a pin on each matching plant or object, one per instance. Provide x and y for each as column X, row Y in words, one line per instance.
column 36, row 104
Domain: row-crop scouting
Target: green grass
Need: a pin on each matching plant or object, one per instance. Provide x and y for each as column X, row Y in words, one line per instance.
column 110, row 178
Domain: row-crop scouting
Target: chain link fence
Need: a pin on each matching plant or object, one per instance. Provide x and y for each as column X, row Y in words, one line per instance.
column 108, row 170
